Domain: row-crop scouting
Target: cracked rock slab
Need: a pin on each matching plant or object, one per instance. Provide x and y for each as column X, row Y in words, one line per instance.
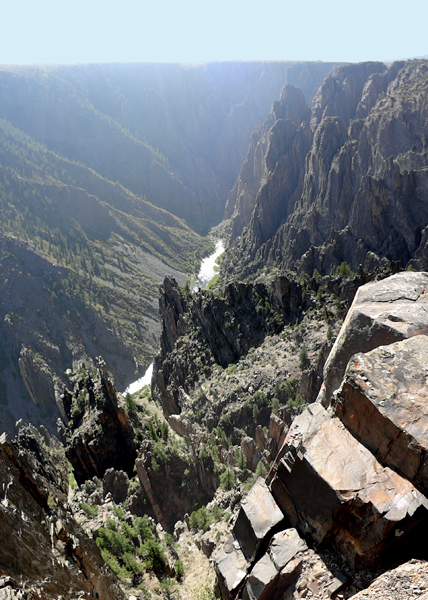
column 231, row 568
column 383, row 401
column 277, row 569
column 258, row 515
column 333, row 488
column 383, row 312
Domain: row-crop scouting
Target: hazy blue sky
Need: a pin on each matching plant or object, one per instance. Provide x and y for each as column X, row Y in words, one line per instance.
column 84, row 31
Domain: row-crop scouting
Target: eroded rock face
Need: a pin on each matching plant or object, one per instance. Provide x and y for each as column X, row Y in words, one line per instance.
column 383, row 403
column 347, row 183
column 174, row 483
column 99, row 435
column 216, row 330
column 382, row 312
column 43, row 549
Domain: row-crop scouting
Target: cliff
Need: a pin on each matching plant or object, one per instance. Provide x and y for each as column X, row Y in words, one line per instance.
column 343, row 182
column 44, row 552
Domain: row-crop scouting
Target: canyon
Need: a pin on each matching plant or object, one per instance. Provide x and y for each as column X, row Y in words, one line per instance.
column 283, row 436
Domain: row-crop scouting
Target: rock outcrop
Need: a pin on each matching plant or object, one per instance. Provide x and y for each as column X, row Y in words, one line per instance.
column 44, row 553
column 216, row 330
column 350, row 479
column 332, row 488
column 382, row 312
column 99, row 435
column 347, row 183
column 383, row 403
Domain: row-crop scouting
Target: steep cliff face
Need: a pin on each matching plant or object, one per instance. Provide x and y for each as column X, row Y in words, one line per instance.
column 44, row 552
column 357, row 191
column 99, row 167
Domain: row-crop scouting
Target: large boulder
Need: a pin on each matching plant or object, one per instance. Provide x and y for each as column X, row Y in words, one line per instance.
column 331, row 487
column 231, row 568
column 383, row 402
column 383, row 312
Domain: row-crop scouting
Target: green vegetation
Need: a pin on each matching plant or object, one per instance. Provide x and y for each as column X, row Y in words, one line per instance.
column 303, row 358
column 90, row 511
column 344, row 270
column 227, row 479
column 133, row 548
column 203, row 518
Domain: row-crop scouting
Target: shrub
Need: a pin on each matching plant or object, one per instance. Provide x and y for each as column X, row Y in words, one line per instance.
column 119, row 512
column 131, row 405
column 90, row 511
column 298, row 401
column 200, row 519
column 240, row 459
column 114, row 565
column 303, row 357
column 113, row 541
column 344, row 270
column 179, row 569
column 132, row 564
column 153, row 555
column 144, row 527
column 261, row 470
column 227, row 480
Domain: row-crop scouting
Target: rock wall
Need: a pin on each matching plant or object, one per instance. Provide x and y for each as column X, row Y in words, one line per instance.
column 346, row 182
column 99, row 435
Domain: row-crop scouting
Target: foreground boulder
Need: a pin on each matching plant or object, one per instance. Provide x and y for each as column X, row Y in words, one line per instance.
column 383, row 312
column 277, row 569
column 332, row 488
column 383, row 402
column 258, row 515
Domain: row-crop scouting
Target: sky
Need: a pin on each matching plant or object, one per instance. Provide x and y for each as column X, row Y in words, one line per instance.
column 94, row 31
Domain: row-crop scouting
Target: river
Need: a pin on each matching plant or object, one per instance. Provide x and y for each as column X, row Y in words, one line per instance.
column 206, row 273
